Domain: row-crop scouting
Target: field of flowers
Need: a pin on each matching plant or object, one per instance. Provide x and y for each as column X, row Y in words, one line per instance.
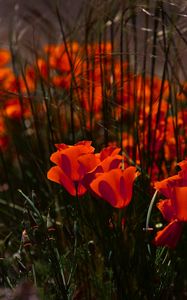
column 93, row 159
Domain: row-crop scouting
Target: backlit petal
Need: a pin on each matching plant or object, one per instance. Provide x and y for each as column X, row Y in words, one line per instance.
column 167, row 209
column 180, row 203
column 57, row 175
column 170, row 235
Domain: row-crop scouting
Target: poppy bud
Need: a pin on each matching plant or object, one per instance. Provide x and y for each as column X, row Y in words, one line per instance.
column 25, row 239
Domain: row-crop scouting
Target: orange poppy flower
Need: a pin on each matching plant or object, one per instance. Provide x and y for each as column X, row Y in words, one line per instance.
column 5, row 74
column 4, row 57
column 170, row 235
column 57, row 175
column 95, row 102
column 67, row 172
column 115, row 186
column 167, row 209
column 43, row 68
column 164, row 186
column 104, row 161
column 174, row 209
column 180, row 203
column 62, row 81
column 109, row 163
column 14, row 110
column 180, row 180
column 183, row 172
column 182, row 95
column 109, row 151
column 29, row 82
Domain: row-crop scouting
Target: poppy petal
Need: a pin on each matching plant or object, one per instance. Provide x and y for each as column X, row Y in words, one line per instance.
column 115, row 186
column 180, row 203
column 170, row 235
column 167, row 209
column 106, row 192
column 57, row 175
column 109, row 151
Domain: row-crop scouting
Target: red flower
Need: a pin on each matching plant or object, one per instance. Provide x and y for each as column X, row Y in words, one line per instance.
column 115, row 186
column 180, row 180
column 180, row 203
column 170, row 235
column 14, row 110
column 183, row 172
column 4, row 57
column 167, row 209
column 92, row 164
column 174, row 209
column 68, row 172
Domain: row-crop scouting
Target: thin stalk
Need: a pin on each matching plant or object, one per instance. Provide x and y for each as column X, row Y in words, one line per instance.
column 153, row 63
column 147, row 227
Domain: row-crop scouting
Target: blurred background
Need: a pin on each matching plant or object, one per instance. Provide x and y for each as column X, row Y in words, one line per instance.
column 32, row 24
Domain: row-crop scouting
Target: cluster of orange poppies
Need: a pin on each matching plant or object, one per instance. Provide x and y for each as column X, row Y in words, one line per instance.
column 100, row 86
column 99, row 83
column 105, row 174
column 97, row 86
column 14, row 105
column 104, row 87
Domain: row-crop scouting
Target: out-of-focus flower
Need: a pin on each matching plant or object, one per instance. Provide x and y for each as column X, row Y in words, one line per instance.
column 4, row 57
column 14, row 110
column 28, row 81
column 182, row 95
